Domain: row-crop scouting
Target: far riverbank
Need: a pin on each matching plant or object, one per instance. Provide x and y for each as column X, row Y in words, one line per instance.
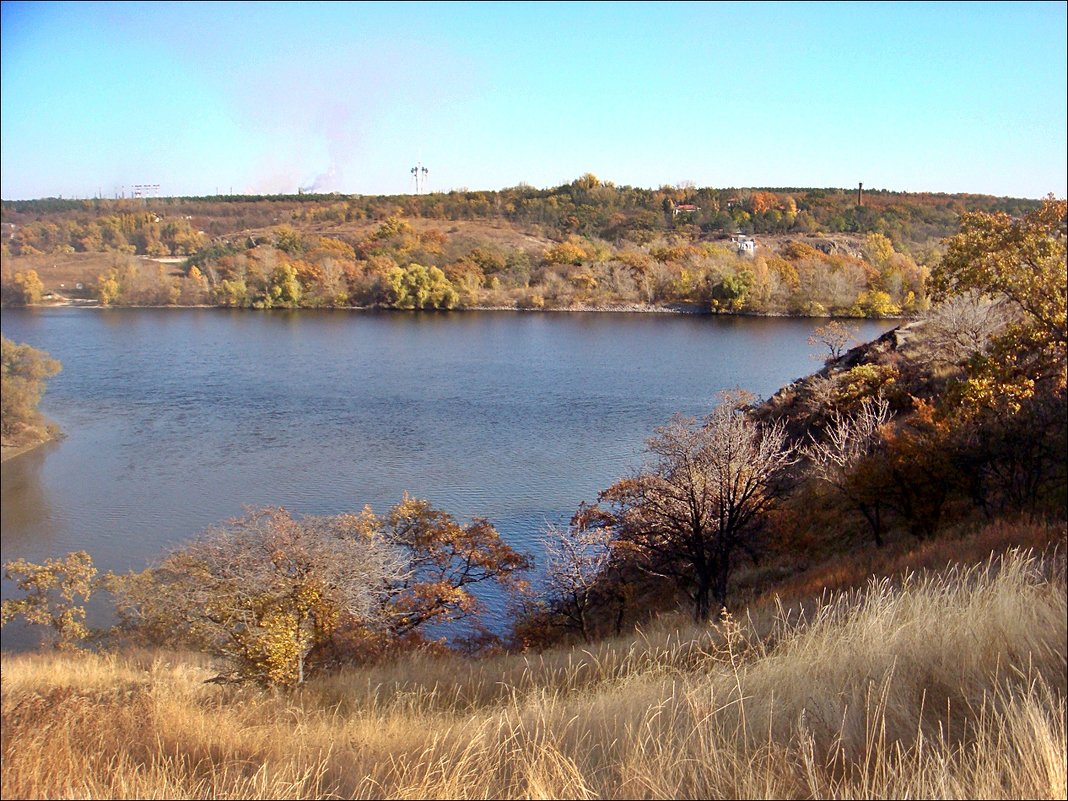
column 606, row 308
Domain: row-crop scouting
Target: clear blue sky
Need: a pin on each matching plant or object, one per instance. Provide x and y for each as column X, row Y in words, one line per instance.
column 271, row 97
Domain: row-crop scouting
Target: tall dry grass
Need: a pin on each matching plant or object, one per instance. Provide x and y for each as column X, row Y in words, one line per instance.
column 948, row 684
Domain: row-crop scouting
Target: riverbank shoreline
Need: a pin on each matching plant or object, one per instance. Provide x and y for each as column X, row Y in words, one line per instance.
column 696, row 309
column 12, row 451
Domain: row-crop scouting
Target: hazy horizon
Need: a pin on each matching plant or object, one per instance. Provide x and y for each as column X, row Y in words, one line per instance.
column 204, row 99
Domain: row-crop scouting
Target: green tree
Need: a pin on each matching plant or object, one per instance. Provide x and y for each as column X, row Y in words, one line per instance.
column 419, row 287
column 730, row 293
column 875, row 303
column 284, row 288
column 288, row 240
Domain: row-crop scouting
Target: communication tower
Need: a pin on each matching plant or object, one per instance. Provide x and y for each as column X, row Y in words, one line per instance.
column 419, row 176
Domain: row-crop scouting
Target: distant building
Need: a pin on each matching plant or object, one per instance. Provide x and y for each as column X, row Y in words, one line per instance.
column 743, row 245
column 685, row 208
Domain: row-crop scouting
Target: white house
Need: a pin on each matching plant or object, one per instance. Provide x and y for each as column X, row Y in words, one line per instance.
column 744, row 245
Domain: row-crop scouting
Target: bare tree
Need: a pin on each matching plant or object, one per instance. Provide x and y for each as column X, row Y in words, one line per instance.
column 962, row 327
column 577, row 563
column 699, row 503
column 835, row 337
column 837, row 457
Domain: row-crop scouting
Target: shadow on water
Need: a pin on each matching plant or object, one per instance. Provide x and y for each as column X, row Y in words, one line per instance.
column 25, row 506
column 25, row 524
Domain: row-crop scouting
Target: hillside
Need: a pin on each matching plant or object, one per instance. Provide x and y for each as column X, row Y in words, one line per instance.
column 948, row 684
column 583, row 244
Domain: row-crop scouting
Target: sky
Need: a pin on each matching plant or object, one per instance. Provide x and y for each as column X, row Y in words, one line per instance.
column 279, row 97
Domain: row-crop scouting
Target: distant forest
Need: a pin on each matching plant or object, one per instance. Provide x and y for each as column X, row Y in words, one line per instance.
column 817, row 251
column 586, row 207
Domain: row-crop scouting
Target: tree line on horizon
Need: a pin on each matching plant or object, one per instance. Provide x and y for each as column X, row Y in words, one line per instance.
column 585, row 207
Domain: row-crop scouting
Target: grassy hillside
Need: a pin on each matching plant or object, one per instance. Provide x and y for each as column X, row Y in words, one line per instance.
column 946, row 684
column 582, row 244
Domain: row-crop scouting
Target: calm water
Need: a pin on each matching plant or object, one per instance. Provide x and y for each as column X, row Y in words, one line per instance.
column 177, row 419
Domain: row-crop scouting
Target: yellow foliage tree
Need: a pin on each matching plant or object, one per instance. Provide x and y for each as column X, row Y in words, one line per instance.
column 29, row 288
column 265, row 591
column 566, row 253
column 1021, row 261
column 54, row 594
column 107, row 287
column 23, row 370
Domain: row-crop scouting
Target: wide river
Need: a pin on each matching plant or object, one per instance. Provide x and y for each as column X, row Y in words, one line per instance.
column 179, row 418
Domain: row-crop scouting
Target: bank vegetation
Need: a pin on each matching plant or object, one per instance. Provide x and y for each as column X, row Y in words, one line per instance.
column 24, row 371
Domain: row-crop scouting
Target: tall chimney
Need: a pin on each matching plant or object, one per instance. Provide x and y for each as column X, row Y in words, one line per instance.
column 860, row 194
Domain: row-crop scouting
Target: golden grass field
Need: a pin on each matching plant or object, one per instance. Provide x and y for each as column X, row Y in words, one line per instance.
column 948, row 684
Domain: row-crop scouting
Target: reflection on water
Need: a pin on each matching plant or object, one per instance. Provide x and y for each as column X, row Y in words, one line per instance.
column 177, row 419
column 25, row 509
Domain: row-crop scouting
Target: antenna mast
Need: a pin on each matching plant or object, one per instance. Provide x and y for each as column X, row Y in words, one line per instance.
column 419, row 176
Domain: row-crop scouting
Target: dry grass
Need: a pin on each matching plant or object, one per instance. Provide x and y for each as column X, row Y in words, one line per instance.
column 852, row 567
column 947, row 684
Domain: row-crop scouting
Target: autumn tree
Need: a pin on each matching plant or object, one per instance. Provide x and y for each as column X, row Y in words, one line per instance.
column 54, row 594
column 268, row 592
column 1021, row 260
column 443, row 561
column 962, row 328
column 262, row 591
column 699, row 503
column 578, row 571
column 108, row 287
column 835, row 336
column 571, row 251
column 28, row 288
column 23, row 370
column 916, row 472
column 1007, row 412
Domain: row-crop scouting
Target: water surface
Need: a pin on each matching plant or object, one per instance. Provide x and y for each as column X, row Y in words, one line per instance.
column 180, row 418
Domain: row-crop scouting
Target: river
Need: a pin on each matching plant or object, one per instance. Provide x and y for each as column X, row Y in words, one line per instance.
column 179, row 418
